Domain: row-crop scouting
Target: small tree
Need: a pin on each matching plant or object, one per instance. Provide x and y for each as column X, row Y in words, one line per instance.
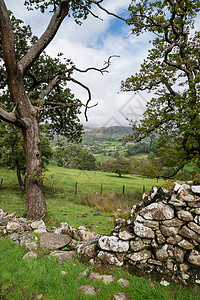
column 119, row 166
column 73, row 156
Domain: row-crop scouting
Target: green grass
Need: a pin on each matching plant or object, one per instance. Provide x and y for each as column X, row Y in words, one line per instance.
column 30, row 278
column 61, row 201
column 27, row 279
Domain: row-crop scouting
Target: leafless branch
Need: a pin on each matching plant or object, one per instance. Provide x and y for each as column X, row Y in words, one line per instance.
column 107, row 11
column 101, row 70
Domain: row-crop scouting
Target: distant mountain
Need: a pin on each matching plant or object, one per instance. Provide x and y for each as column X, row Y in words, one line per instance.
column 113, row 131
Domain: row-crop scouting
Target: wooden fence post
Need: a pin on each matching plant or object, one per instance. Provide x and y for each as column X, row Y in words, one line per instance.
column 1, row 183
column 123, row 189
column 143, row 189
column 101, row 189
column 76, row 185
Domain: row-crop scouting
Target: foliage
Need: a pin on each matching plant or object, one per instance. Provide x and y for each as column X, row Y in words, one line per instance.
column 12, row 153
column 10, row 137
column 171, row 72
column 150, row 168
column 119, row 166
column 73, row 156
column 142, row 147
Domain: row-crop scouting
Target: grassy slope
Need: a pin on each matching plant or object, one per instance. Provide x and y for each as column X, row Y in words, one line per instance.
column 61, row 201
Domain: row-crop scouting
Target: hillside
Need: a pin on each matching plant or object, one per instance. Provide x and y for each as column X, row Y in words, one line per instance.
column 113, row 133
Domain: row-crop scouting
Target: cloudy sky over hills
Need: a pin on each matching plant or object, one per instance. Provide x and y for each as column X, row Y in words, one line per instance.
column 90, row 45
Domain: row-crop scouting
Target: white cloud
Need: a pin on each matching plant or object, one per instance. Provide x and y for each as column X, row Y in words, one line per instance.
column 90, row 45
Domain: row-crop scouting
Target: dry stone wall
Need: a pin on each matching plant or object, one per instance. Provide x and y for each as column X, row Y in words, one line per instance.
column 162, row 234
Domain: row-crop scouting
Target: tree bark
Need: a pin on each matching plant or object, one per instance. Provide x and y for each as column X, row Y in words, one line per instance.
column 36, row 205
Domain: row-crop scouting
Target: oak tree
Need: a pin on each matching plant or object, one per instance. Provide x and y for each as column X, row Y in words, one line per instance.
column 29, row 99
column 171, row 75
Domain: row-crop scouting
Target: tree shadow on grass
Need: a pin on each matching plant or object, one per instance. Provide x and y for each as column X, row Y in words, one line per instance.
column 117, row 176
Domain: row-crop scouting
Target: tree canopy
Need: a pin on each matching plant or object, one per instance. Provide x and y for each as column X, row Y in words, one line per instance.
column 33, row 86
column 73, row 156
column 171, row 75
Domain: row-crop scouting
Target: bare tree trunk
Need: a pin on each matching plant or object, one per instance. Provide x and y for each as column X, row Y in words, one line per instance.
column 36, row 205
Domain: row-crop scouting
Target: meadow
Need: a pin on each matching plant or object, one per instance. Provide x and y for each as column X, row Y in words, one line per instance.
column 64, row 206
column 43, row 278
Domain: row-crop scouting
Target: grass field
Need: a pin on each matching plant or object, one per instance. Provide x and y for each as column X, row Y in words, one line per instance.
column 64, row 206
column 42, row 278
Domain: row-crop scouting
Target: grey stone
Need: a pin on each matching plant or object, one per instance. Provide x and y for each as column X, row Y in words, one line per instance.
column 21, row 238
column 11, row 216
column 113, row 243
column 119, row 221
column 196, row 189
column 85, row 235
column 31, row 245
column 160, row 237
column 109, row 258
column 186, row 196
column 30, row 254
column 14, row 227
column 88, row 290
column 162, row 254
column 139, row 256
column 179, row 254
column 157, row 211
column 152, row 224
column 154, row 262
column 53, row 241
column 196, row 211
column 197, row 220
column 185, row 245
column 184, row 267
column 185, row 215
column 66, row 228
column 174, row 239
column 173, row 223
column 190, row 234
column 194, row 227
column 88, row 251
column 139, row 244
column 41, row 229
column 176, row 202
column 37, row 224
column 194, row 258
column 169, row 231
column 143, row 231
column 125, row 235
column 3, row 221
column 62, row 256
column 121, row 296
column 123, row 282
column 83, row 273
column 178, row 187
column 106, row 278
column 196, row 204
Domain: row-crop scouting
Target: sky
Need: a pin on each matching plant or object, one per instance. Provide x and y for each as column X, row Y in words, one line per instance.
column 90, row 45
